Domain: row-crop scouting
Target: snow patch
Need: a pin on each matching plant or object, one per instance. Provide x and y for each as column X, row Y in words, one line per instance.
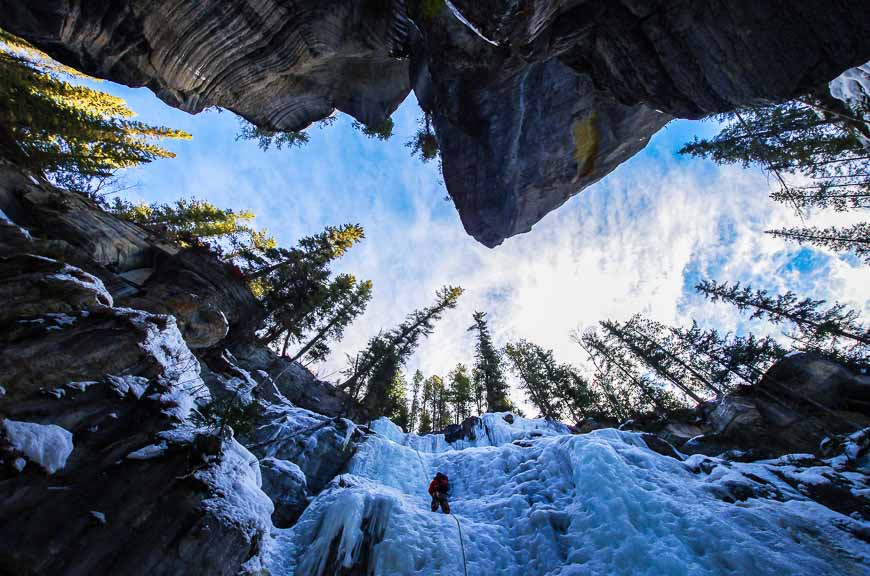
column 45, row 444
column 128, row 384
column 81, row 386
column 180, row 377
column 459, row 16
column 235, row 482
column 148, row 452
column 81, row 278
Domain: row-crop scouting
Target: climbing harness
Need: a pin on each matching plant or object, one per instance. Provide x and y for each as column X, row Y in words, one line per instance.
column 461, row 544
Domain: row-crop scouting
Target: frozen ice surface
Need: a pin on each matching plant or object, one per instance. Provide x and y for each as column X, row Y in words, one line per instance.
column 557, row 504
column 45, row 444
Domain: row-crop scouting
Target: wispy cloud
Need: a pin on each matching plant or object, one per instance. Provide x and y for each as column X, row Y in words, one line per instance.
column 635, row 242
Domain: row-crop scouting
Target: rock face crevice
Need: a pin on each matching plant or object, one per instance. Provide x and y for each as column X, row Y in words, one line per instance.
column 532, row 100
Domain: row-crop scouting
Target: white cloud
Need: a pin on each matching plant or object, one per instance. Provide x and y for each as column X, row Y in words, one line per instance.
column 636, row 242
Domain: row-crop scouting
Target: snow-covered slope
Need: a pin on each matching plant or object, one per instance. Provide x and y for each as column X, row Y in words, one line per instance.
column 532, row 499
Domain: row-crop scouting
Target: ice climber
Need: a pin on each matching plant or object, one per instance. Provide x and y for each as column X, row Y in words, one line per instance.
column 438, row 490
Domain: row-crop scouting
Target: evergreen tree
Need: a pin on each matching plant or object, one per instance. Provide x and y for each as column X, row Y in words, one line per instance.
column 77, row 136
column 835, row 331
column 387, row 352
column 426, row 403
column 267, row 138
column 461, row 393
column 383, row 131
column 191, row 222
column 729, row 360
column 646, row 341
column 557, row 390
column 855, row 238
column 296, row 286
column 488, row 372
column 424, row 143
column 345, row 301
column 627, row 388
column 816, row 137
column 397, row 402
column 536, row 369
column 414, row 416
column 440, row 403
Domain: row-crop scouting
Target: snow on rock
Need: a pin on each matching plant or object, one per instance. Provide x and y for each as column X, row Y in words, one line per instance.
column 557, row 504
column 82, row 385
column 128, row 384
column 180, row 378
column 853, row 88
column 98, row 516
column 148, row 452
column 45, row 444
column 83, row 279
column 5, row 218
column 238, row 500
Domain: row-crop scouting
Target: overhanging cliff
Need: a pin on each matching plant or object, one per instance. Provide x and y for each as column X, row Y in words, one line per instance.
column 532, row 100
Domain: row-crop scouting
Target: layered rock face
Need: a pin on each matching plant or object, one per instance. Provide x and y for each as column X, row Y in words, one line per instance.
column 532, row 100
column 109, row 340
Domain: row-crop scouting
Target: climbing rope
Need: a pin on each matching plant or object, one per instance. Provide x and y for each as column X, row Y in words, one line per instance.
column 458, row 525
column 461, row 544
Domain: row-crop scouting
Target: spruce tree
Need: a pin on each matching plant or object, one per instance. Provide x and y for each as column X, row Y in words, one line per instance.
column 488, row 372
column 416, row 390
column 426, row 402
column 536, row 369
column 76, row 136
column 396, row 408
column 197, row 222
column 627, row 388
column 424, row 144
column 296, row 286
column 461, row 393
column 557, row 390
column 817, row 137
column 388, row 351
column 345, row 300
column 834, row 331
column 855, row 238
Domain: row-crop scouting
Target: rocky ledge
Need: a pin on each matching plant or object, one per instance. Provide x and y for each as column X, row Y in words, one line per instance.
column 532, row 101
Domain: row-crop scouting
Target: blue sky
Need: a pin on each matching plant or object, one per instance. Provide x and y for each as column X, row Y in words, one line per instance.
column 635, row 242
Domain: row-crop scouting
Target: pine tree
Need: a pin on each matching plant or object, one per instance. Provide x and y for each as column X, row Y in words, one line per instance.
column 557, row 390
column 383, row 131
column 396, row 408
column 461, row 393
column 426, row 403
column 488, row 372
column 855, row 238
column 387, row 352
column 267, row 138
column 835, row 331
column 536, row 369
column 197, row 222
column 626, row 387
column 424, row 143
column 77, row 136
column 414, row 416
column 345, row 301
column 295, row 285
column 817, row 137
column 440, row 403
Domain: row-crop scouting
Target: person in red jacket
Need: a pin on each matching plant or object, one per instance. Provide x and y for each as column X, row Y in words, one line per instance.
column 438, row 489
